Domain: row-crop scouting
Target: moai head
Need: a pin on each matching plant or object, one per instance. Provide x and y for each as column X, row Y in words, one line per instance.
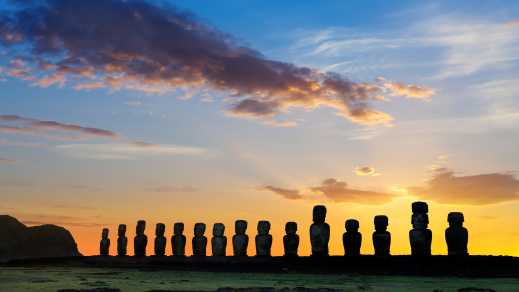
column 160, row 228
column 141, row 226
column 178, row 228
column 263, row 227
column 121, row 231
column 455, row 219
column 240, row 227
column 319, row 214
column 218, row 229
column 104, row 234
column 352, row 225
column 291, row 227
column 381, row 222
column 199, row 229
column 420, row 207
column 420, row 220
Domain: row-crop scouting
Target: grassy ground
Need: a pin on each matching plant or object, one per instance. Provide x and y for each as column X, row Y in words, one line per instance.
column 52, row 279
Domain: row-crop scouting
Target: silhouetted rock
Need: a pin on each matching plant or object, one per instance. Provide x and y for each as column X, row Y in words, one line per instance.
column 456, row 235
column 381, row 237
column 122, row 240
column 104, row 244
column 219, row 241
column 352, row 239
column 240, row 241
column 160, row 239
column 199, row 240
column 18, row 241
column 291, row 239
column 141, row 240
column 319, row 232
column 263, row 239
column 420, row 237
column 178, row 240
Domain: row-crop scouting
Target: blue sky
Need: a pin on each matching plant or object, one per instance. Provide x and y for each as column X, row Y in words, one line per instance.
column 447, row 71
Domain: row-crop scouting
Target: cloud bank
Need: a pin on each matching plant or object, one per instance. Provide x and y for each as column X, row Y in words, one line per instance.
column 483, row 189
column 139, row 45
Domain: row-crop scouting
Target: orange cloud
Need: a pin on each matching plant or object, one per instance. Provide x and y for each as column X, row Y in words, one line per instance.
column 366, row 171
column 285, row 193
column 445, row 187
column 409, row 90
column 339, row 191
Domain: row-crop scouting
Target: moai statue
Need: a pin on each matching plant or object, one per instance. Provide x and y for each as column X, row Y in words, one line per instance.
column 240, row 241
column 381, row 237
column 263, row 239
column 160, row 239
column 141, row 240
column 420, row 237
column 122, row 240
column 456, row 235
column 319, row 232
column 178, row 240
column 199, row 240
column 104, row 244
column 291, row 239
column 352, row 239
column 219, row 240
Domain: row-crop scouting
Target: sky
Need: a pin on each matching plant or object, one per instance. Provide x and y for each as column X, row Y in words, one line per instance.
column 113, row 111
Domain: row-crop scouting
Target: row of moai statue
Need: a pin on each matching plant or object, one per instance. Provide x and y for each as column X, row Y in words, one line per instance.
column 420, row 237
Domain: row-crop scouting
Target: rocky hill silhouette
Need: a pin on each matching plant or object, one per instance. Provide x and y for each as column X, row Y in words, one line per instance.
column 45, row 241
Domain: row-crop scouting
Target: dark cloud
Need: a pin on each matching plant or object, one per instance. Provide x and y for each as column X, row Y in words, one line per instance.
column 286, row 193
column 336, row 191
column 446, row 187
column 366, row 171
column 24, row 125
column 139, row 45
column 60, row 220
column 339, row 191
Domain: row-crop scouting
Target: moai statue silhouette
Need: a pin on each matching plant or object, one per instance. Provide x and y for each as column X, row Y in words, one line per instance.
column 219, row 240
column 319, row 232
column 178, row 240
column 160, row 239
column 291, row 239
column 263, row 239
column 122, row 240
column 352, row 239
column 104, row 244
column 420, row 237
column 381, row 237
column 141, row 240
column 199, row 241
column 240, row 241
column 456, row 235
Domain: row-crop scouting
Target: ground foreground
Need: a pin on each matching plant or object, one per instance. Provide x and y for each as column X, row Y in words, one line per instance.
column 53, row 279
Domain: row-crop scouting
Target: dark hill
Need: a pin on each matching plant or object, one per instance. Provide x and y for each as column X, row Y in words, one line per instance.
column 18, row 241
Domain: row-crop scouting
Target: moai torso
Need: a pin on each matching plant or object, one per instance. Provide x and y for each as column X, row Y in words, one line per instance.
column 381, row 237
column 104, row 244
column 160, row 239
column 263, row 239
column 352, row 239
column 291, row 239
column 219, row 241
column 122, row 240
column 319, row 232
column 199, row 240
column 456, row 235
column 178, row 240
column 420, row 237
column 240, row 241
column 141, row 240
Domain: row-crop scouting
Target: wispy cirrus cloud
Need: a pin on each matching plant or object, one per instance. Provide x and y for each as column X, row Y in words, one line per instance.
column 127, row 151
column 14, row 124
column 482, row 189
column 157, row 49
